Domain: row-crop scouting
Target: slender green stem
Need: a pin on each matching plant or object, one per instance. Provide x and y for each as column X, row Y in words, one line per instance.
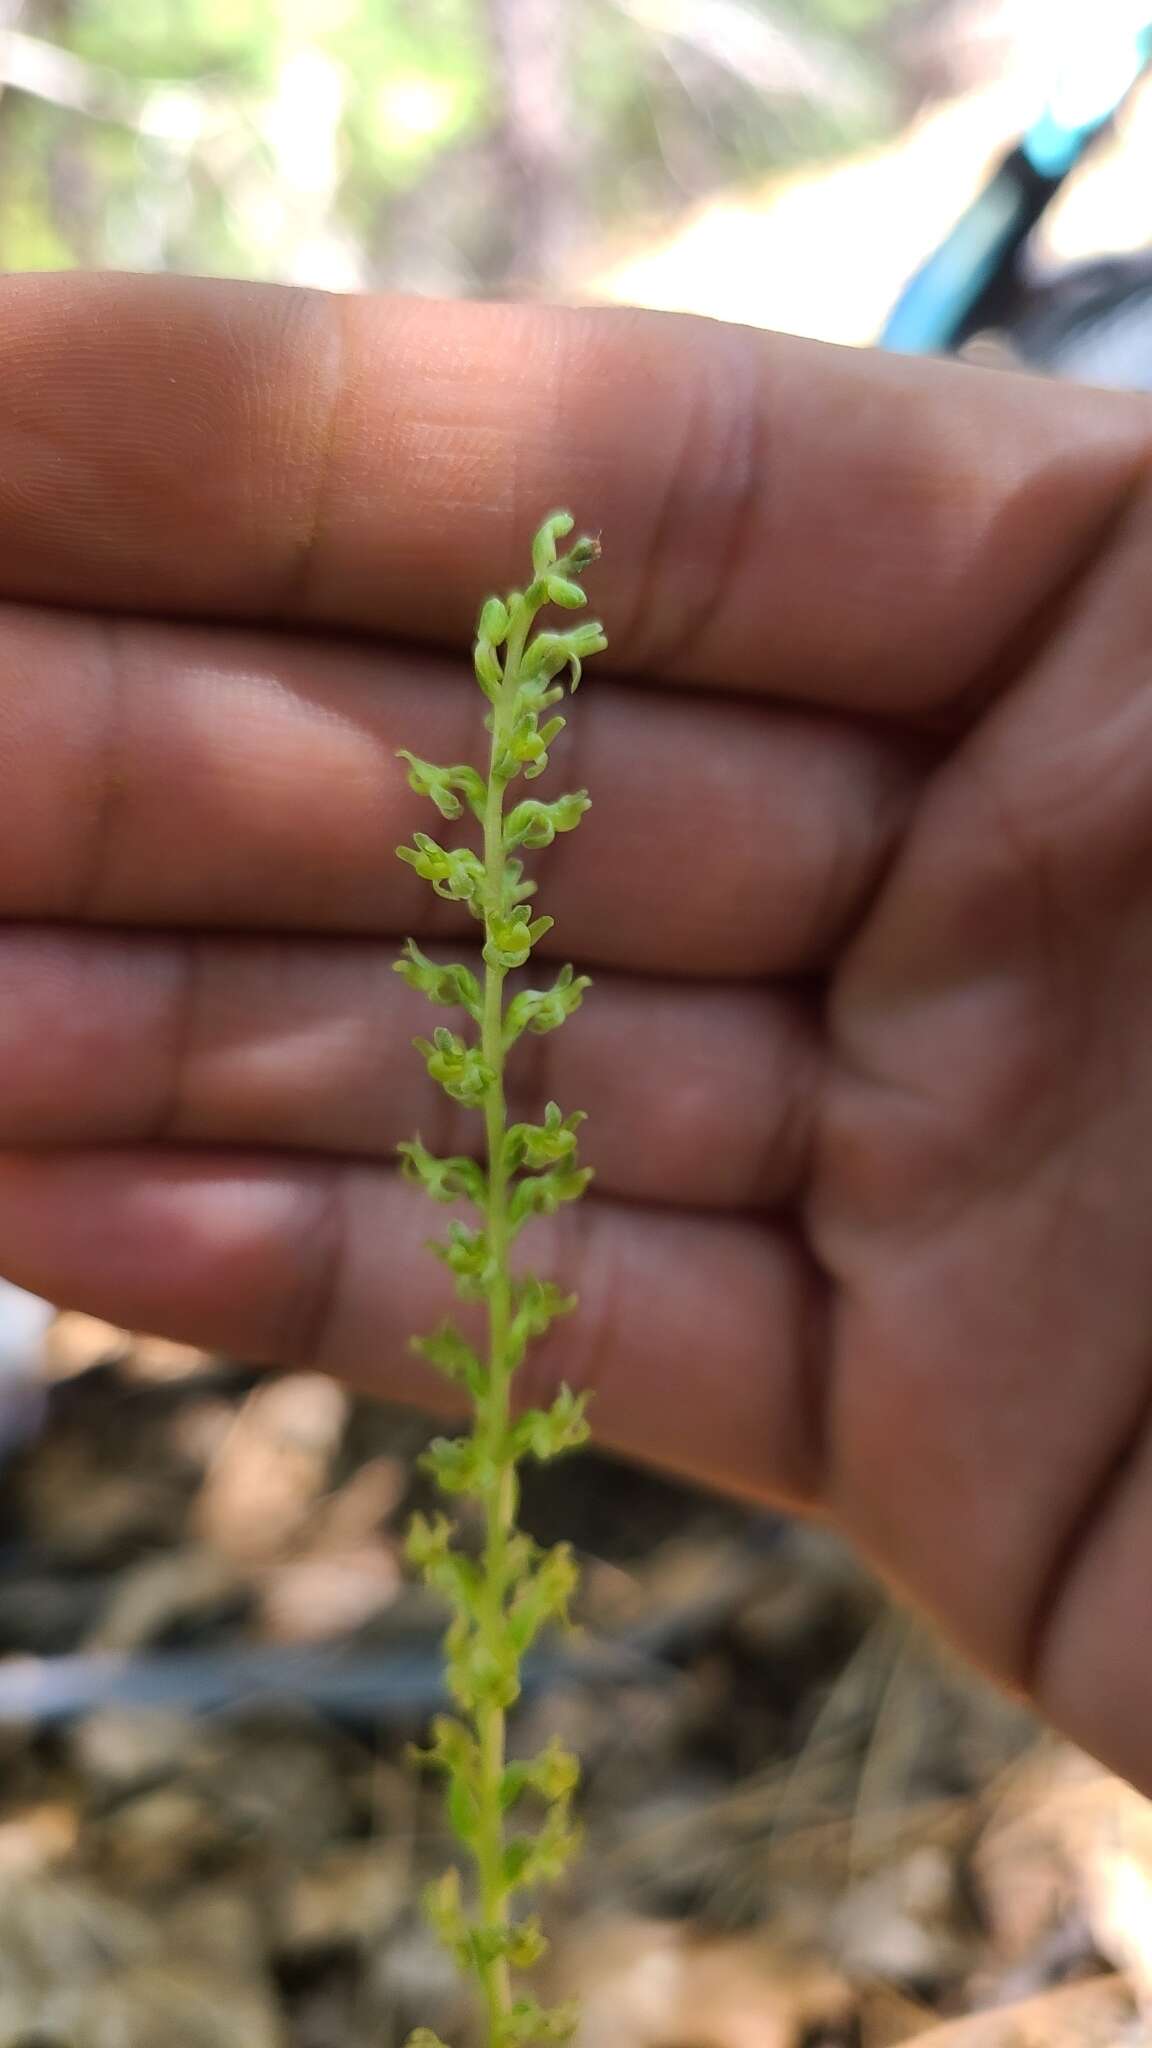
column 500, row 1509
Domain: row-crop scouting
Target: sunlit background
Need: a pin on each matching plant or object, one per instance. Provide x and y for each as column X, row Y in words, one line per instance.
column 784, row 162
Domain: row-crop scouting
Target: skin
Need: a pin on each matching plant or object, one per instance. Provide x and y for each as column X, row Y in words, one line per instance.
column 866, row 890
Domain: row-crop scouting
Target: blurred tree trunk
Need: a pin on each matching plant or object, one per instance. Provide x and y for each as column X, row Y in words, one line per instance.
column 498, row 212
column 534, row 45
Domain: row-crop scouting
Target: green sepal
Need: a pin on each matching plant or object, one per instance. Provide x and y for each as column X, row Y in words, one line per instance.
column 562, row 591
column 511, row 938
column 543, row 1597
column 556, row 527
column 526, row 751
column 529, row 2023
column 521, row 1946
column 425, row 1542
column 536, row 694
column 522, row 1553
column 460, row 1069
column 444, row 1910
column 494, row 621
column 445, row 1180
column 491, row 632
column 453, row 1749
column 460, row 1464
column 478, row 1675
column 546, row 1144
column 542, row 1194
column 526, row 1944
column 544, row 1009
column 537, row 1305
column 545, row 736
column 451, row 985
column 468, row 1257
column 546, row 1433
column 553, row 1774
column 430, row 1547
column 452, row 1355
column 534, row 824
column 514, row 888
column 517, row 1780
column 543, row 1857
column 442, row 785
column 582, row 555
column 463, row 1811
column 487, row 1945
column 455, row 873
column 487, row 670
column 549, row 653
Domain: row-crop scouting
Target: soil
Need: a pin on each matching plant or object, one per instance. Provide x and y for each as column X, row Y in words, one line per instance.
column 804, row 1825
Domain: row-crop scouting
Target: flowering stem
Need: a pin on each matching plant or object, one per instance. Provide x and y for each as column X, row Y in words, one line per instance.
column 501, row 1601
column 500, row 1507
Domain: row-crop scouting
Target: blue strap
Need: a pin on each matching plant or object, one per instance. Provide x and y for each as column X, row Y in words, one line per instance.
column 932, row 309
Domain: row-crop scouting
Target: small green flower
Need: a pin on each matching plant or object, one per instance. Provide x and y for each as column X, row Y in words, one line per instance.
column 442, row 785
column 549, row 1432
column 446, row 1180
column 512, row 936
column 534, row 824
column 540, row 1010
column 548, row 1144
column 452, row 1356
column 461, row 1069
column 454, row 987
column 544, row 1193
column 456, row 874
column 557, row 527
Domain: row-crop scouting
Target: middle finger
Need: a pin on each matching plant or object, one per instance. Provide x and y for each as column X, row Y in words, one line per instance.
column 188, row 776
column 698, row 1093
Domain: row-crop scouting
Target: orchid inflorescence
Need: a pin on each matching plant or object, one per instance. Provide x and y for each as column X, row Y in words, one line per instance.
column 512, row 1817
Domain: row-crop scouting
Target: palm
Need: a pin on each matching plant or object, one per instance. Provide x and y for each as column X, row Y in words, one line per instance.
column 862, row 892
column 984, row 1195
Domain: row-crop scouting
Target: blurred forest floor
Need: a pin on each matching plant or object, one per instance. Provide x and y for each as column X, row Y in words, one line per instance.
column 804, row 1827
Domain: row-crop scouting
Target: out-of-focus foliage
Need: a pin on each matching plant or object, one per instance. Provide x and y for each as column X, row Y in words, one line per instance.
column 465, row 145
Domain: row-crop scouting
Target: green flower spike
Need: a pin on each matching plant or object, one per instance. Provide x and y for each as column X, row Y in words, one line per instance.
column 512, row 1819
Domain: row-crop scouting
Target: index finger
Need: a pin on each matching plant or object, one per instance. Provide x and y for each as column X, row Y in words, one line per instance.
column 777, row 515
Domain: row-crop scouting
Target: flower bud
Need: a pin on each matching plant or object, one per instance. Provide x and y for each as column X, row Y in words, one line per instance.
column 493, row 624
column 489, row 674
column 558, row 527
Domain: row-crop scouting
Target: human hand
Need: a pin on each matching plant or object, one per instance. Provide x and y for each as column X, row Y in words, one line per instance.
column 865, row 890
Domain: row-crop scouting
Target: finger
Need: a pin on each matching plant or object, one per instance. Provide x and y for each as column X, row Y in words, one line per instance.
column 696, row 1336
column 696, row 1095
column 172, row 775
column 836, row 526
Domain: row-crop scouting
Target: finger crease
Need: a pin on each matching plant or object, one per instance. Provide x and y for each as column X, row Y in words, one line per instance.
column 311, row 1306
column 108, row 780
column 732, row 454
column 300, row 570
column 183, row 1011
